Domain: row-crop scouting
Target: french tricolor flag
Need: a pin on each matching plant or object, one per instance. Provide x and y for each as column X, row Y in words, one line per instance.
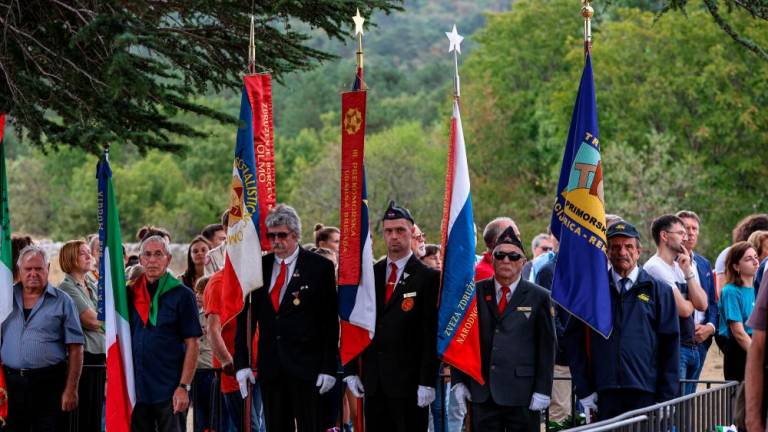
column 458, row 331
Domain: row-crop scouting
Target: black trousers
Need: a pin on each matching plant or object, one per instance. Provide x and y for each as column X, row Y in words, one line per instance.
column 91, row 393
column 157, row 417
column 291, row 404
column 34, row 399
column 383, row 413
column 492, row 417
column 611, row 403
column 734, row 360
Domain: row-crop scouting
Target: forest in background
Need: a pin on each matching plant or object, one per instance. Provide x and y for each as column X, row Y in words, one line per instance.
column 681, row 112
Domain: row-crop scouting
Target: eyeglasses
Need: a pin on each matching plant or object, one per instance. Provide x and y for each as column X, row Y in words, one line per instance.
column 280, row 235
column 420, row 237
column 149, row 255
column 682, row 233
column 546, row 248
column 513, row 256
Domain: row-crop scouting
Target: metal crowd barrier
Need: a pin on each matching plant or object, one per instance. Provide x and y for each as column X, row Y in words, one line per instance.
column 697, row 412
column 702, row 411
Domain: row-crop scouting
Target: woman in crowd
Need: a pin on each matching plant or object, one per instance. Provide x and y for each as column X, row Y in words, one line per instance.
column 18, row 242
column 202, row 391
column 76, row 262
column 736, row 302
column 195, row 261
column 431, row 257
column 759, row 242
column 327, row 237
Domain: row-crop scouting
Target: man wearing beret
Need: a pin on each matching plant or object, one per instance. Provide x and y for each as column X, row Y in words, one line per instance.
column 399, row 367
column 517, row 346
column 637, row 365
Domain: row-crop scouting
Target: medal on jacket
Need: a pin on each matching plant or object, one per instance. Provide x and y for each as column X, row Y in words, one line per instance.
column 296, row 300
column 407, row 304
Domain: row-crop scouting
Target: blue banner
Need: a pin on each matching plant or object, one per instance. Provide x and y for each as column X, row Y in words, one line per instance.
column 580, row 282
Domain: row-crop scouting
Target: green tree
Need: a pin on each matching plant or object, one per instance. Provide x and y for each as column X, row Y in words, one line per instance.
column 86, row 73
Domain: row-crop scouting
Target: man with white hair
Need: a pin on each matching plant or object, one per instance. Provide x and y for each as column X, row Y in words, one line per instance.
column 164, row 340
column 42, row 349
column 297, row 315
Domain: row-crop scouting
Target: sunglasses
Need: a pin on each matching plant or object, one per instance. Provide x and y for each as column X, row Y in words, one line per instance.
column 279, row 235
column 513, row 256
column 546, row 248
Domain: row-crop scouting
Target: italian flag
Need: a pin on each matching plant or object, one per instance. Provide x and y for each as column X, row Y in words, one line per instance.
column 121, row 395
column 6, row 264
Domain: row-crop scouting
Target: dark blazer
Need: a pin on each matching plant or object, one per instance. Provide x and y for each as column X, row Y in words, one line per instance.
column 517, row 349
column 707, row 281
column 643, row 350
column 299, row 341
column 403, row 352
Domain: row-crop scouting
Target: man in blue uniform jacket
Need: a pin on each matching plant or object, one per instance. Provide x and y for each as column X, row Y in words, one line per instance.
column 517, row 347
column 637, row 365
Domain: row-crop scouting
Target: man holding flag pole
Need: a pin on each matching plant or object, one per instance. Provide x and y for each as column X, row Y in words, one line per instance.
column 501, row 345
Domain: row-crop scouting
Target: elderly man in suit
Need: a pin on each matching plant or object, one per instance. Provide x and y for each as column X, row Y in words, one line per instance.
column 298, row 329
column 517, row 346
column 400, row 365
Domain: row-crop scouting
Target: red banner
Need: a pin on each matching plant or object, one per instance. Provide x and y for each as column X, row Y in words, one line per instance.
column 352, row 150
column 259, row 89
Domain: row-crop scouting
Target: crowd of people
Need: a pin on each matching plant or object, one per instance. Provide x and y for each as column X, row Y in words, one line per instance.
column 280, row 352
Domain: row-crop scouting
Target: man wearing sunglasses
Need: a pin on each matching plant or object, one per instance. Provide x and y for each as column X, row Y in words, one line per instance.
column 296, row 311
column 400, row 365
column 637, row 365
column 517, row 346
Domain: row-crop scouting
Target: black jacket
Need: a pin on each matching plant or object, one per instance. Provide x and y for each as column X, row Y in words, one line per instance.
column 403, row 352
column 517, row 349
column 300, row 340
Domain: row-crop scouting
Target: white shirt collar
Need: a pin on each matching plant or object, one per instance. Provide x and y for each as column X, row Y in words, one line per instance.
column 289, row 259
column 512, row 287
column 632, row 277
column 401, row 262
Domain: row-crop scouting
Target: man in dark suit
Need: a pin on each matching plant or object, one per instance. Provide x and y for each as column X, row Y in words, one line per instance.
column 296, row 311
column 517, row 346
column 400, row 365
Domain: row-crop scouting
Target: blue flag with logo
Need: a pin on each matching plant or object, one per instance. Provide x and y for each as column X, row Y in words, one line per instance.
column 580, row 282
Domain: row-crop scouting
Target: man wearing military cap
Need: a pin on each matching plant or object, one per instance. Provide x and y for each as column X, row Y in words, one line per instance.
column 637, row 365
column 399, row 367
column 517, row 346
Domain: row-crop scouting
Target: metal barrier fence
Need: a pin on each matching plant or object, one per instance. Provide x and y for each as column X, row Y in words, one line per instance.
column 702, row 411
column 697, row 412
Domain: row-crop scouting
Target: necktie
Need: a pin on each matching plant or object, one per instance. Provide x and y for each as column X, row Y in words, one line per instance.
column 275, row 293
column 391, row 282
column 503, row 301
column 626, row 283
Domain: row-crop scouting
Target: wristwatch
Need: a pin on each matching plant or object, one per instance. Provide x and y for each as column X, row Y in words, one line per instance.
column 187, row 387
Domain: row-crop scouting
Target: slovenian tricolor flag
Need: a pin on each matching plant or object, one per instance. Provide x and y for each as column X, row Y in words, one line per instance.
column 580, row 283
column 458, row 331
column 242, row 265
column 357, row 287
column 121, row 394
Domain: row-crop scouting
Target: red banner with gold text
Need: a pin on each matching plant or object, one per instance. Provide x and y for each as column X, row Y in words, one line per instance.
column 259, row 90
column 352, row 150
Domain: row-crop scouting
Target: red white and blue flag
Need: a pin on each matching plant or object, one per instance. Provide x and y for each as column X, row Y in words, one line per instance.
column 458, row 331
column 357, row 287
column 242, row 272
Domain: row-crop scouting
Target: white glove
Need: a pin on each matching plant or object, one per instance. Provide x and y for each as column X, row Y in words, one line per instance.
column 539, row 402
column 462, row 395
column 325, row 382
column 425, row 396
column 355, row 386
column 244, row 377
column 590, row 402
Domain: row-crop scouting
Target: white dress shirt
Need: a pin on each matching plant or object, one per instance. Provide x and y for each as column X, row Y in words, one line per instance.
column 511, row 289
column 290, row 262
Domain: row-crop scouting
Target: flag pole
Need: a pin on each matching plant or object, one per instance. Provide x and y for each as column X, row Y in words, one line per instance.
column 587, row 12
column 247, row 403
column 252, row 49
column 360, row 54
